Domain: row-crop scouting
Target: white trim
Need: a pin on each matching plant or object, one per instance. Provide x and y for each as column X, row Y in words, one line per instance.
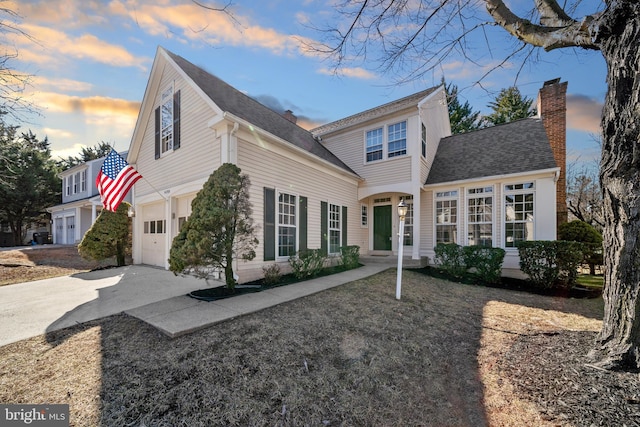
column 514, row 176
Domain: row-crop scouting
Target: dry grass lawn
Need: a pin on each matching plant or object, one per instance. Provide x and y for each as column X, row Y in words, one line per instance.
column 445, row 355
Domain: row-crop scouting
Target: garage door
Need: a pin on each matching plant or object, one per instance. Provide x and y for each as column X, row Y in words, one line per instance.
column 154, row 235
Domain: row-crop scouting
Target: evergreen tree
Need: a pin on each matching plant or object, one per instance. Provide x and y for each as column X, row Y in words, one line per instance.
column 108, row 237
column 29, row 180
column 220, row 228
column 462, row 117
column 509, row 105
column 87, row 154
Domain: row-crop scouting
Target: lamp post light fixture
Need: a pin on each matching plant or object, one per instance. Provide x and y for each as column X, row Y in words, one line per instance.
column 402, row 213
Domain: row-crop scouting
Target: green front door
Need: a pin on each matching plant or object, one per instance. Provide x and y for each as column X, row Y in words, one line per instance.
column 382, row 228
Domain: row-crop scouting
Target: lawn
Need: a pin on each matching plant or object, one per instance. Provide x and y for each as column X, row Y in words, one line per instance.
column 447, row 354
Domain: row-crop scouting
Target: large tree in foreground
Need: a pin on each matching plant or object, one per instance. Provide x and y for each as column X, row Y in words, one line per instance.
column 220, row 228
column 422, row 34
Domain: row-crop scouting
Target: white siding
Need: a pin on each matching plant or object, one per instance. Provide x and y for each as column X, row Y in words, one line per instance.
column 199, row 152
column 272, row 167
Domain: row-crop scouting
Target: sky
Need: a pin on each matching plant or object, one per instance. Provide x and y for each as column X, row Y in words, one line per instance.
column 89, row 62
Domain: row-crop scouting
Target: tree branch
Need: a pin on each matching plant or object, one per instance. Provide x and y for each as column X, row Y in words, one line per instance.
column 573, row 34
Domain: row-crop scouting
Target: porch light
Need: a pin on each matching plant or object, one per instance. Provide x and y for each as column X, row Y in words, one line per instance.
column 402, row 213
column 131, row 212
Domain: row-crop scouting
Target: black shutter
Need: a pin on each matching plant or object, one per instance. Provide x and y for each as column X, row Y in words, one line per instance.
column 303, row 224
column 344, row 226
column 158, row 133
column 176, row 120
column 269, row 224
column 324, row 227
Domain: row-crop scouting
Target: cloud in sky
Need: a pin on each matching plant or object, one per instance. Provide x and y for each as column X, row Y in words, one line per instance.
column 583, row 113
column 93, row 105
column 54, row 45
column 357, row 72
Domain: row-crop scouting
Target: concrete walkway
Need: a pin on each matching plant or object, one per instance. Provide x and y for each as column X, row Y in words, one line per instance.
column 153, row 295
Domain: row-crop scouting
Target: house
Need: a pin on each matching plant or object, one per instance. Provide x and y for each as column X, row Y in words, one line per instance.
column 339, row 184
column 80, row 205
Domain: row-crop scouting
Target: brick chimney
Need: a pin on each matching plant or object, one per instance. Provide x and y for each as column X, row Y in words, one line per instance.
column 552, row 109
column 290, row 116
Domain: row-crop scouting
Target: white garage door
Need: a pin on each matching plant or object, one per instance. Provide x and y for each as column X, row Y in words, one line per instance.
column 154, row 235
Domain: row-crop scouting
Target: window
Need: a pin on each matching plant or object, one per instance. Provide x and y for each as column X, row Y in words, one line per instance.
column 397, row 139
column 424, row 140
column 519, row 219
column 374, row 145
column 447, row 217
column 166, row 120
column 480, row 216
column 408, row 221
column 155, row 227
column 364, row 216
column 83, row 180
column 286, row 225
column 181, row 221
column 67, row 182
column 334, row 229
column 76, row 182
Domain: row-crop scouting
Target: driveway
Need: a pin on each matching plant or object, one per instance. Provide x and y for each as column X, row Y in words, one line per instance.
column 33, row 308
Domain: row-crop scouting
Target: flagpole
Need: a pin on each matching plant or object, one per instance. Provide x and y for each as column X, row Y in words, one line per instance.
column 155, row 189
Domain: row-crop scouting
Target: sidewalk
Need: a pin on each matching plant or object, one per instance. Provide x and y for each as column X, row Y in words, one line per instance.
column 182, row 314
column 153, row 295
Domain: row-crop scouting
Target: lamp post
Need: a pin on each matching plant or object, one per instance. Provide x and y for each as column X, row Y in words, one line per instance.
column 402, row 213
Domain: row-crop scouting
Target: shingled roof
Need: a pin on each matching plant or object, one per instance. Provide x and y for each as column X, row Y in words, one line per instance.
column 519, row 146
column 231, row 100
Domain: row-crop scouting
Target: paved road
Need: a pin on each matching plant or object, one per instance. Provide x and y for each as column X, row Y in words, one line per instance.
column 33, row 308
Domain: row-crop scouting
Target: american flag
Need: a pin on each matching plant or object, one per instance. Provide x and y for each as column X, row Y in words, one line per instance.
column 114, row 180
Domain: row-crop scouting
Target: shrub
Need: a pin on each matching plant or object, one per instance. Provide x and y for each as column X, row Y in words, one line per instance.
column 550, row 264
column 450, row 257
column 591, row 239
column 308, row 263
column 272, row 274
column 487, row 262
column 350, row 256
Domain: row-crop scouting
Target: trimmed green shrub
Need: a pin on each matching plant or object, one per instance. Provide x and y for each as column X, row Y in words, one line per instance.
column 487, row 262
column 350, row 256
column 272, row 274
column 450, row 257
column 308, row 263
column 591, row 239
column 550, row 264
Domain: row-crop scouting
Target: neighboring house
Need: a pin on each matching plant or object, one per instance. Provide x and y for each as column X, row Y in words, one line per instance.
column 338, row 184
column 80, row 202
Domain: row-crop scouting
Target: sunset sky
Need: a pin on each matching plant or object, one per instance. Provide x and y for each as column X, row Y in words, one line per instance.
column 90, row 61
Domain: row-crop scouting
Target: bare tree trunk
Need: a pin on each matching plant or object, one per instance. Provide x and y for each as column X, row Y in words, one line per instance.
column 618, row 345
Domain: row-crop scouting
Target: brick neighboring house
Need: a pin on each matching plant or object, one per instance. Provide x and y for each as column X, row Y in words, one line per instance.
column 339, row 184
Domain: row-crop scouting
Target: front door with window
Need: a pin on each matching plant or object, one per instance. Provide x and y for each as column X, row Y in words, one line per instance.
column 382, row 228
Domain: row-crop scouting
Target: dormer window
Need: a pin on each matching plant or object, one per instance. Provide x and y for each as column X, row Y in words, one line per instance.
column 395, row 144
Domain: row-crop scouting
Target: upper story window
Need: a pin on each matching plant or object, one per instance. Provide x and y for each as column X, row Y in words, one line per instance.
column 379, row 146
column 424, row 140
column 67, row 185
column 76, row 183
column 519, row 203
column 397, row 139
column 83, row 180
column 166, row 120
column 374, row 145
